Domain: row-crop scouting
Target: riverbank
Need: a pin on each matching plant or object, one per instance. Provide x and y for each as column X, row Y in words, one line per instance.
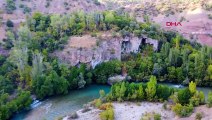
column 134, row 111
column 204, row 110
column 58, row 106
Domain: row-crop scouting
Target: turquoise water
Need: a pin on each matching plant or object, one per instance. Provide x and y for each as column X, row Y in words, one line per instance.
column 58, row 106
column 205, row 90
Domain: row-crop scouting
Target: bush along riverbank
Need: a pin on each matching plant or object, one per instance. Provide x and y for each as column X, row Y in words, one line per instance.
column 182, row 102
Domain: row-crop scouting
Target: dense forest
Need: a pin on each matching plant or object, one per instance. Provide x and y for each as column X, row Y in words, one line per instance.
column 31, row 70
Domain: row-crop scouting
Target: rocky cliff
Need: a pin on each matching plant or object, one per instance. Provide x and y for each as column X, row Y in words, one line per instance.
column 103, row 50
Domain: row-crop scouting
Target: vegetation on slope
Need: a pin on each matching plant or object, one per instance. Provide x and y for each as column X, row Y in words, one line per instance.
column 30, row 67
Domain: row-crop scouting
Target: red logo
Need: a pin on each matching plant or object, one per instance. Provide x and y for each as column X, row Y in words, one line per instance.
column 173, row 24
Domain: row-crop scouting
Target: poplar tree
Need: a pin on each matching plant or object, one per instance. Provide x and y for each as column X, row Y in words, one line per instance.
column 37, row 66
column 151, row 88
column 192, row 87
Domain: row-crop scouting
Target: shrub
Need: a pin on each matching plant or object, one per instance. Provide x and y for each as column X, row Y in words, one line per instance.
column 97, row 2
column 182, row 111
column 107, row 114
column 97, row 103
column 209, row 100
column 93, row 34
column 105, row 106
column 124, row 33
column 10, row 6
column 137, row 33
column 197, row 99
column 27, row 10
column 165, row 105
column 102, row 94
column 157, row 117
column 198, row 116
column 21, row 6
column 151, row 116
column 9, row 23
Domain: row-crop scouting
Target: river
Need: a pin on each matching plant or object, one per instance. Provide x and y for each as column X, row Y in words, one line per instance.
column 58, row 106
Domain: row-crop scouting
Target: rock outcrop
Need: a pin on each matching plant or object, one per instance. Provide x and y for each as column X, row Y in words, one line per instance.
column 104, row 50
column 132, row 44
column 116, row 79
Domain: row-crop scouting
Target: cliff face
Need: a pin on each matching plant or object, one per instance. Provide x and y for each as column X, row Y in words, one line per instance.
column 104, row 50
column 107, row 50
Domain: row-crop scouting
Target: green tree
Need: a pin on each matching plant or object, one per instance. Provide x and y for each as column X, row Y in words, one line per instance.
column 140, row 92
column 163, row 92
column 165, row 49
column 108, row 114
column 192, row 87
column 6, row 85
column 183, row 96
column 106, row 69
column 174, row 57
column 122, row 92
column 209, row 70
column 197, row 99
column 24, row 37
column 151, row 88
column 182, row 111
column 19, row 57
column 37, row 66
column 209, row 100
column 109, row 18
column 102, row 94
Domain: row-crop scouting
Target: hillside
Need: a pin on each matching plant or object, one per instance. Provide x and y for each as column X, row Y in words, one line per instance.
column 51, row 51
column 194, row 15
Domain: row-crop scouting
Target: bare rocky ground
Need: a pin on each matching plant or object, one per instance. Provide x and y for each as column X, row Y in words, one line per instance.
column 205, row 111
column 196, row 25
column 134, row 111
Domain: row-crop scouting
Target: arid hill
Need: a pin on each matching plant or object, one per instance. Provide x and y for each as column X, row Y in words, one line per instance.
column 194, row 15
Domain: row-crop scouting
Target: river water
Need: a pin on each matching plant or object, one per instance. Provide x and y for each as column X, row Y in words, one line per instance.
column 52, row 108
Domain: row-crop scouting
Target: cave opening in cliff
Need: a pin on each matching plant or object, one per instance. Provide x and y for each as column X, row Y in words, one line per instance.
column 143, row 42
column 126, row 46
